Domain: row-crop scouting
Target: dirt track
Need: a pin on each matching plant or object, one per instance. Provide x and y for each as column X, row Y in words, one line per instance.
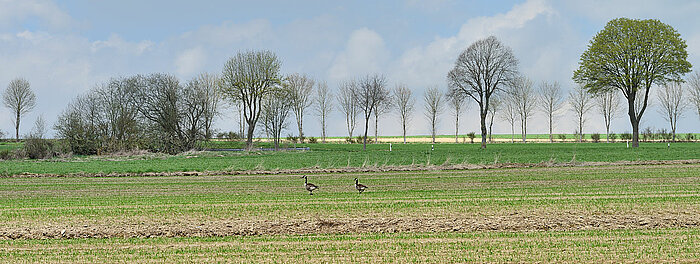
column 516, row 221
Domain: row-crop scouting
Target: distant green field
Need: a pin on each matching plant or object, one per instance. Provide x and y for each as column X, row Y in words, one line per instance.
column 567, row 214
column 352, row 155
column 517, row 136
column 9, row 145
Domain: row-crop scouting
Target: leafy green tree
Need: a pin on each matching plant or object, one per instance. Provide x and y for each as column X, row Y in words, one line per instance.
column 632, row 55
column 248, row 77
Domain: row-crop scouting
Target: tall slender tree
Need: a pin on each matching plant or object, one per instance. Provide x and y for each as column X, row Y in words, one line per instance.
column 433, row 103
column 370, row 93
column 348, row 105
column 551, row 100
column 509, row 113
column 20, row 99
column 249, row 77
column 482, row 70
column 494, row 108
column 405, row 103
column 608, row 106
column 457, row 104
column 672, row 104
column 694, row 88
column 323, row 105
column 524, row 98
column 300, row 89
column 581, row 104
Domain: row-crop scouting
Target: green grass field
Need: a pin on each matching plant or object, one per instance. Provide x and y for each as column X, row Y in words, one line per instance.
column 640, row 213
column 9, row 145
column 352, row 155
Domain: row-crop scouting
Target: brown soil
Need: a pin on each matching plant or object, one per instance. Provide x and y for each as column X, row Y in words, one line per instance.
column 516, row 221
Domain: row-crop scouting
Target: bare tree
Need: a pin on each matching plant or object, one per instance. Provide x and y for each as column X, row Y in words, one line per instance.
column 433, row 98
column 457, row 105
column 164, row 106
column 276, row 107
column 300, row 88
column 551, row 100
column 249, row 77
column 580, row 101
column 524, row 98
column 509, row 113
column 119, row 103
column 609, row 106
column 404, row 104
column 382, row 109
column 494, row 107
column 348, row 106
column 673, row 104
column 206, row 88
column 694, row 87
column 370, row 93
column 323, row 105
column 483, row 69
column 20, row 99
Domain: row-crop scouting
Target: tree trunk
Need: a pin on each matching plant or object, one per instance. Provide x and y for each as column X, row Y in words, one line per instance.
column 512, row 133
column 607, row 133
column 580, row 129
column 404, row 130
column 323, row 129
column 249, row 137
column 376, row 129
column 456, row 128
column 633, row 120
column 301, row 131
column 673, row 130
column 524, row 129
column 364, row 139
column 17, row 127
column 483, row 129
column 551, row 138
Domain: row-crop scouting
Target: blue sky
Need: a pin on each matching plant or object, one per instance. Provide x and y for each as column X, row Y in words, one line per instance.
column 66, row 47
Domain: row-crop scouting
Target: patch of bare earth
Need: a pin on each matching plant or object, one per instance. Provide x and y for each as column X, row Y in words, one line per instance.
column 515, row 221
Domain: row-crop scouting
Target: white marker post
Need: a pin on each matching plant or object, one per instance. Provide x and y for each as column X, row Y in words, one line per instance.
column 389, row 147
column 432, row 147
column 628, row 144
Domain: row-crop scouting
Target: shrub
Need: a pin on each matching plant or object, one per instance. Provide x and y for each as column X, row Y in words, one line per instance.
column 690, row 137
column 648, row 134
column 313, row 140
column 293, row 139
column 625, row 136
column 612, row 137
column 595, row 137
column 6, row 154
column 358, row 139
column 664, row 134
column 349, row 140
column 471, row 136
column 562, row 137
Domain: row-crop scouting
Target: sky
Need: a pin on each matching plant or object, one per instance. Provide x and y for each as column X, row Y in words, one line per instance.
column 64, row 48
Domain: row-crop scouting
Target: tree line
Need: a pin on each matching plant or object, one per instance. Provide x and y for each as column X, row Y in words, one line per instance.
column 159, row 113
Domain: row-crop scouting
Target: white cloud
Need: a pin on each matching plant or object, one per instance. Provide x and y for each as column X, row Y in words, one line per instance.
column 116, row 42
column 13, row 11
column 364, row 53
column 190, row 61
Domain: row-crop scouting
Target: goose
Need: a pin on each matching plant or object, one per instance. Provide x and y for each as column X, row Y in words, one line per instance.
column 360, row 187
column 309, row 186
